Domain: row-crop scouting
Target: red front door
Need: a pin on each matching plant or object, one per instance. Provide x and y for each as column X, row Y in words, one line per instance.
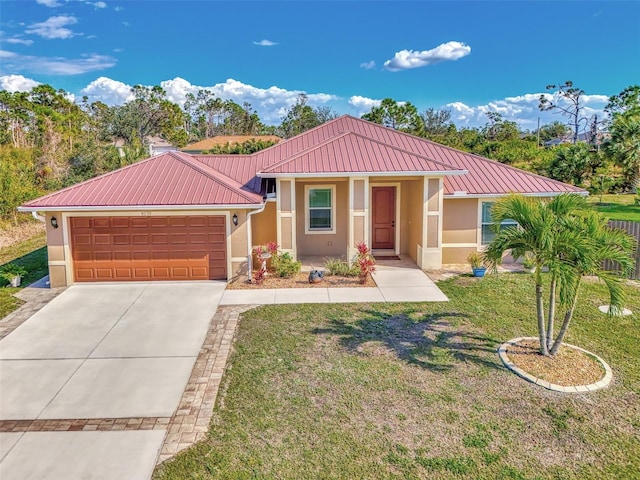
column 384, row 218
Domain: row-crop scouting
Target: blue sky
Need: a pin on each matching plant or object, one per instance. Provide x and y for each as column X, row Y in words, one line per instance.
column 470, row 57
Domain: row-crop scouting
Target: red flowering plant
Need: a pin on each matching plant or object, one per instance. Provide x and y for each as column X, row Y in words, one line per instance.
column 259, row 275
column 365, row 262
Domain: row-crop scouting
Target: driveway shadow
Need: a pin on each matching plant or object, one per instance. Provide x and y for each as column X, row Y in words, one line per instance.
column 432, row 341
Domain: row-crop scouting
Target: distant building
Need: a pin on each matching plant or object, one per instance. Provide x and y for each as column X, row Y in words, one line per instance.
column 209, row 143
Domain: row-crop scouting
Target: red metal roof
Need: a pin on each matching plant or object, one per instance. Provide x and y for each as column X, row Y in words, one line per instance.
column 351, row 152
column 170, row 179
column 342, row 146
column 483, row 177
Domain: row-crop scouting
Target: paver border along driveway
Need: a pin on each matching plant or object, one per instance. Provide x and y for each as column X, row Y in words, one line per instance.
column 114, row 354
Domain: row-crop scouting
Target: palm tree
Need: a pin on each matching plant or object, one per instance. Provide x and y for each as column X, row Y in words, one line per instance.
column 596, row 243
column 624, row 143
column 562, row 236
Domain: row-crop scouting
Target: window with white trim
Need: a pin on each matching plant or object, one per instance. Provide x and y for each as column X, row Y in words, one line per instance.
column 487, row 224
column 320, row 208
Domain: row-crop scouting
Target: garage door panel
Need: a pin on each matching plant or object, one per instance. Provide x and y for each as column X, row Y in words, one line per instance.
column 104, row 273
column 82, row 239
column 101, row 239
column 158, row 222
column 122, row 256
column 178, row 238
column 101, row 256
column 141, row 273
column 101, row 222
column 140, row 239
column 121, row 239
column 159, row 239
column 139, row 222
column 120, row 222
column 148, row 248
column 123, row 273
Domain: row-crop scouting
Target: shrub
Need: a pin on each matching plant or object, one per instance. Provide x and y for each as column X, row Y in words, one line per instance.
column 285, row 266
column 341, row 268
column 259, row 275
column 11, row 270
column 475, row 260
column 365, row 262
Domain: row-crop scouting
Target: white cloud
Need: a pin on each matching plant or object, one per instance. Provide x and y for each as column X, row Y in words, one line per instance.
column 20, row 41
column 56, row 65
column 265, row 43
column 271, row 103
column 97, row 4
column 406, row 59
column 17, row 83
column 118, row 8
column 54, row 27
column 368, row 65
column 49, row 3
column 363, row 104
column 523, row 109
column 126, row 24
column 106, row 90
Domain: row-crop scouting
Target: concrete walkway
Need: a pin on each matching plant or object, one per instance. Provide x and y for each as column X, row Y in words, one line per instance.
column 396, row 281
column 91, row 383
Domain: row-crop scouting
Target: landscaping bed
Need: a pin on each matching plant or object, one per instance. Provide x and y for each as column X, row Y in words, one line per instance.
column 570, row 367
column 301, row 280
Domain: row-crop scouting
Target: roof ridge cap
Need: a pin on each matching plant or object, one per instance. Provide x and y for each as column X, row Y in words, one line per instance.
column 213, row 174
column 306, row 150
column 393, row 147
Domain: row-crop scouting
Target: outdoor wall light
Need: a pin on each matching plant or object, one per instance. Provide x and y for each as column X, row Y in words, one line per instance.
column 235, row 219
column 54, row 222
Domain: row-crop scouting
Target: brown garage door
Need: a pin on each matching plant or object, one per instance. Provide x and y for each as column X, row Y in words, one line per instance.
column 148, row 248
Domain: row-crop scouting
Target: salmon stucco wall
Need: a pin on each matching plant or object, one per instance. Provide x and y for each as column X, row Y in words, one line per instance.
column 460, row 221
column 264, row 225
column 323, row 243
column 414, row 195
column 56, row 251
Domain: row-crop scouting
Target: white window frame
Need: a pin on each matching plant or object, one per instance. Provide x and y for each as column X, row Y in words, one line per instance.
column 505, row 223
column 307, row 217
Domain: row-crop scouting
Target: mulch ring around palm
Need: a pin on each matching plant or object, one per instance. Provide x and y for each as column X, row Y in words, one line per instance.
column 569, row 367
column 301, row 280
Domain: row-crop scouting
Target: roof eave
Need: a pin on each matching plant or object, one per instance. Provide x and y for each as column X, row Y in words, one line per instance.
column 364, row 174
column 493, row 195
column 127, row 208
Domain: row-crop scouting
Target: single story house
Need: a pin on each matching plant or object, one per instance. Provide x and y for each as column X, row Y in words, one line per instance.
column 181, row 216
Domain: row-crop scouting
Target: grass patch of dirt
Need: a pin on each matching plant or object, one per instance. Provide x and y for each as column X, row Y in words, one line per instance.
column 301, row 280
column 570, row 367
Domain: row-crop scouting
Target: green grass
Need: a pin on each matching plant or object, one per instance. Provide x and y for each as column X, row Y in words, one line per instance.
column 387, row 391
column 32, row 255
column 617, row 207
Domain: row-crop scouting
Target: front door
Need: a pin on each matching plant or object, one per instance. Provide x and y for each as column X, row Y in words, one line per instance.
column 383, row 226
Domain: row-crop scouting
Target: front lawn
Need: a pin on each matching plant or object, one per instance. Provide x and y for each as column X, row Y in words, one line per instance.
column 30, row 254
column 617, row 207
column 417, row 391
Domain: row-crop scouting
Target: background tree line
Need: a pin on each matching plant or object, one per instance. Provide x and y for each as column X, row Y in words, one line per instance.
column 48, row 141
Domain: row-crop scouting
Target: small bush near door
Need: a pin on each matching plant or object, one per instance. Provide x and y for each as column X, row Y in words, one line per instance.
column 341, row 268
column 284, row 265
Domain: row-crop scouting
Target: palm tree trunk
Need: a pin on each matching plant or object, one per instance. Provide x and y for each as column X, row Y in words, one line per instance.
column 565, row 323
column 540, row 311
column 552, row 312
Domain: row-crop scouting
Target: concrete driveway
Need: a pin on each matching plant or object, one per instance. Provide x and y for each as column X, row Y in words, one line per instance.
column 107, row 352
